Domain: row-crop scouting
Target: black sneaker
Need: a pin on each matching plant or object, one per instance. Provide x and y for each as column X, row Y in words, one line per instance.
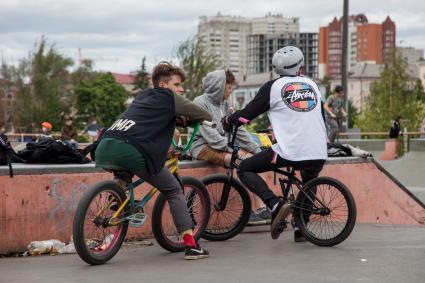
column 298, row 236
column 278, row 219
column 196, row 253
column 255, row 219
column 264, row 213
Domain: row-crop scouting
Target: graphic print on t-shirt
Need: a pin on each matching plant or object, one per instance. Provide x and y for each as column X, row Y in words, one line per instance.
column 299, row 96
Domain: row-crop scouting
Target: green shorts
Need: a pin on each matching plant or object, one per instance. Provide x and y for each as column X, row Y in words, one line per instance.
column 116, row 154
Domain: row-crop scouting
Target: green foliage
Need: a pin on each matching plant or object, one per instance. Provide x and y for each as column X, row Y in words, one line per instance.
column 327, row 83
column 48, row 92
column 419, row 90
column 196, row 62
column 101, row 98
column 260, row 123
column 142, row 77
column 395, row 93
column 353, row 113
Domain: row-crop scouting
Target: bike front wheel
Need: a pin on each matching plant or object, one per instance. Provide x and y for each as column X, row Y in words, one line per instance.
column 226, row 223
column 198, row 204
column 96, row 240
column 325, row 211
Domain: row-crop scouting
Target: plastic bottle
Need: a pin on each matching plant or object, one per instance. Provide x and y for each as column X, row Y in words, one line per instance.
column 45, row 247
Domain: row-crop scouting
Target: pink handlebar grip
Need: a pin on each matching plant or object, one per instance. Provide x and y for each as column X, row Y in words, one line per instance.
column 243, row 120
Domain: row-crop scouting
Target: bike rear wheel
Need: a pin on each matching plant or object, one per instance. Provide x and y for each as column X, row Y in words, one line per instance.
column 96, row 240
column 226, row 224
column 198, row 204
column 326, row 212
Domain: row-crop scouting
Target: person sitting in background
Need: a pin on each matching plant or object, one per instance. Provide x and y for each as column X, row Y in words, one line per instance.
column 69, row 133
column 395, row 128
column 46, row 130
column 211, row 144
column 92, row 130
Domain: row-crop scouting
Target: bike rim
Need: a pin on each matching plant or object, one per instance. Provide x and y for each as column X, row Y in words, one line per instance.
column 196, row 203
column 226, row 220
column 98, row 239
column 325, row 224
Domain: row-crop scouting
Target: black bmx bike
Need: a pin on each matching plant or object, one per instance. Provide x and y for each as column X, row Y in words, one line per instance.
column 323, row 209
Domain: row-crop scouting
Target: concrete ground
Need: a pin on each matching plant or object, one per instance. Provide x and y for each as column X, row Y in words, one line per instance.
column 373, row 253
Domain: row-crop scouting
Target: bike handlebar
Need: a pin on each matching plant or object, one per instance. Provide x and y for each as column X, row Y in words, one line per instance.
column 192, row 136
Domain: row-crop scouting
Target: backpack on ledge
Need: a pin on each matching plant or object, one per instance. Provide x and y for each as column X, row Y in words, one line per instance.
column 48, row 150
column 7, row 154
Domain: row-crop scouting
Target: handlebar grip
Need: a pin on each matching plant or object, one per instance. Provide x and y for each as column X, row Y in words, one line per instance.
column 243, row 120
column 209, row 124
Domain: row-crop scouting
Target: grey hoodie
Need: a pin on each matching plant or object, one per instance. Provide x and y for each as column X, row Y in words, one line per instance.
column 213, row 101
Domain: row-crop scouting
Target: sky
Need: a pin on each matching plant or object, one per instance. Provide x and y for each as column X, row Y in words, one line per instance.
column 117, row 34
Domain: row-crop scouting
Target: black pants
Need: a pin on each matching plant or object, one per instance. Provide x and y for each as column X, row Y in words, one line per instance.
column 261, row 162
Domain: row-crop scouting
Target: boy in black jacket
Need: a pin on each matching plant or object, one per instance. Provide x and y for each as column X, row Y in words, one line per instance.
column 139, row 140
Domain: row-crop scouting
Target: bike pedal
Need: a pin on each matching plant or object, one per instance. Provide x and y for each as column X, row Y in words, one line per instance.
column 282, row 226
column 137, row 220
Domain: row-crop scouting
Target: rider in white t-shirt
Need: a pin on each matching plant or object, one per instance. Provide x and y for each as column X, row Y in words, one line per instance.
column 295, row 110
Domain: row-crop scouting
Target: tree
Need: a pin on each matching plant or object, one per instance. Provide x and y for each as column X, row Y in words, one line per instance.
column 7, row 76
column 353, row 114
column 44, row 87
column 419, row 90
column 259, row 124
column 392, row 95
column 327, row 83
column 101, row 98
column 142, row 77
column 196, row 62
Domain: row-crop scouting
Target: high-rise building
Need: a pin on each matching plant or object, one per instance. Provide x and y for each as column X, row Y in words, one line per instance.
column 227, row 36
column 412, row 55
column 274, row 24
column 261, row 49
column 367, row 43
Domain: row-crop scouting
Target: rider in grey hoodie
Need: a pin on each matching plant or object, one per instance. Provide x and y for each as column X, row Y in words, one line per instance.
column 213, row 100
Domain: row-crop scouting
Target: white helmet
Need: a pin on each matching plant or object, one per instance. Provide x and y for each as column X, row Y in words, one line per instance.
column 288, row 61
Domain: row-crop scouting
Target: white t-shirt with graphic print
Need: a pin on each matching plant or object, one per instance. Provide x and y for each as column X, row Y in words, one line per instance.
column 296, row 117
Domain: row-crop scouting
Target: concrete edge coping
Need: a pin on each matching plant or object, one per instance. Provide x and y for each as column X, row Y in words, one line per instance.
column 40, row 169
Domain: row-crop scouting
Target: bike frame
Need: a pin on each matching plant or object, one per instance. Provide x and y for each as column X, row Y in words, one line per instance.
column 173, row 166
column 226, row 190
column 287, row 190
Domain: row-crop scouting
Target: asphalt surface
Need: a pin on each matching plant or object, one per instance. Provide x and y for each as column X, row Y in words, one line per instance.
column 373, row 253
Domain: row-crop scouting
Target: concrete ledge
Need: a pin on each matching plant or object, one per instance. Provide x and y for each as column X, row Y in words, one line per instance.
column 366, row 144
column 40, row 201
column 40, row 169
column 30, row 169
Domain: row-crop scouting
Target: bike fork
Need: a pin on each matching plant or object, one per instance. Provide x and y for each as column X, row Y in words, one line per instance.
column 226, row 192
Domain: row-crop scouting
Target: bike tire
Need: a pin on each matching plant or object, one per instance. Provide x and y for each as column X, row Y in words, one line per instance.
column 163, row 227
column 91, row 249
column 216, row 231
column 341, row 205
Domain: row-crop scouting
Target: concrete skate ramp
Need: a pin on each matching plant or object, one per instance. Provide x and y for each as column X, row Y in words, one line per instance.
column 409, row 169
column 40, row 201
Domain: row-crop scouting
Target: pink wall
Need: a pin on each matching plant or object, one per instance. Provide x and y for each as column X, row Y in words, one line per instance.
column 41, row 207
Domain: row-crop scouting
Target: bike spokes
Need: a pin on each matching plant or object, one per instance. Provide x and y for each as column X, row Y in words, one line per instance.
column 325, row 212
column 224, row 220
column 99, row 234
